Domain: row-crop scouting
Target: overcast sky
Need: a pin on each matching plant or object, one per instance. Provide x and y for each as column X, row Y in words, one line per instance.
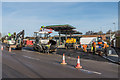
column 84, row 16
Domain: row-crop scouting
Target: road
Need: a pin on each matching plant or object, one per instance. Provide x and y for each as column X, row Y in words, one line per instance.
column 32, row 64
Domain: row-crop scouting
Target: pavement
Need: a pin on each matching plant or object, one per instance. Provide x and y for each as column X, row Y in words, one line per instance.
column 27, row 63
column 114, row 56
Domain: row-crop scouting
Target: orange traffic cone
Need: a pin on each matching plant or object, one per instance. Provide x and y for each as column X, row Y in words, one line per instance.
column 78, row 63
column 9, row 49
column 1, row 48
column 63, row 62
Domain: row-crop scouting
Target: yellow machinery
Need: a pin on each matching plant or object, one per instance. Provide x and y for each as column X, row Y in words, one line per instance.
column 70, row 43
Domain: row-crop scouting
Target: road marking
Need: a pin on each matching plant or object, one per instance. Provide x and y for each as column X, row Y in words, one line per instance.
column 30, row 57
column 13, row 53
column 109, row 59
column 27, row 51
column 90, row 71
column 84, row 70
column 33, row 51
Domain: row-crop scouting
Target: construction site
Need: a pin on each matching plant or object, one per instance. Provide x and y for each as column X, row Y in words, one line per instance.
column 69, row 53
column 72, row 54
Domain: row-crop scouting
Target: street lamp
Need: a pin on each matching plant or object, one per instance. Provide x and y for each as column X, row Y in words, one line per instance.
column 110, row 36
column 114, row 25
column 110, row 51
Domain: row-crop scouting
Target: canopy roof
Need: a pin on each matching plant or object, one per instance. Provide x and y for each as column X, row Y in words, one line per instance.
column 70, row 32
column 60, row 27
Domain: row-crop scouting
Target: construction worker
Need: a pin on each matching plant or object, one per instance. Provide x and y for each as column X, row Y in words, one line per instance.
column 47, row 47
column 94, row 47
column 84, row 48
column 41, row 29
column 105, row 47
column 9, row 36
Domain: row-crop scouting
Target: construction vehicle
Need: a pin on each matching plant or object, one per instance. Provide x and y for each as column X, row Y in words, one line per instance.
column 15, row 41
column 100, row 44
column 4, row 39
column 44, row 43
column 70, row 43
column 87, row 41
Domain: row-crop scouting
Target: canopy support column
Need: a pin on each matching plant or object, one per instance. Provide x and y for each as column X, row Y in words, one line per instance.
column 65, row 36
column 59, row 37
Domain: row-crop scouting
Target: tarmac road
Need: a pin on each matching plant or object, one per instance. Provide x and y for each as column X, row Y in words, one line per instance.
column 31, row 64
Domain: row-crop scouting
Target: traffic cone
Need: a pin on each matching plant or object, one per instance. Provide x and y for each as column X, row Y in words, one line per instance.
column 78, row 63
column 63, row 62
column 1, row 48
column 9, row 49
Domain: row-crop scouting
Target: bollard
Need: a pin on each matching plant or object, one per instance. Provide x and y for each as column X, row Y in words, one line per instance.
column 9, row 49
column 1, row 48
column 63, row 61
column 78, row 63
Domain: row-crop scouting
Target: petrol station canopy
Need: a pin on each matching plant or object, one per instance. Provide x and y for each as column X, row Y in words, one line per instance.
column 70, row 32
column 60, row 27
column 63, row 29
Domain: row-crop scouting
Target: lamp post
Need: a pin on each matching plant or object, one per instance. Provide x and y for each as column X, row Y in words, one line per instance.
column 110, row 51
column 114, row 25
column 114, row 42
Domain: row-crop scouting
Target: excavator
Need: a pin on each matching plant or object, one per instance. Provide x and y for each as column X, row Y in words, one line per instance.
column 15, row 41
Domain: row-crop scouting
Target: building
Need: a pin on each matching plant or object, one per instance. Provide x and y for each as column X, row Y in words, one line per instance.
column 118, row 39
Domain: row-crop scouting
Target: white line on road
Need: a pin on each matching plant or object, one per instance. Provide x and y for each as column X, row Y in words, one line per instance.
column 84, row 70
column 26, row 50
column 32, row 52
column 13, row 53
column 90, row 71
column 109, row 59
column 30, row 57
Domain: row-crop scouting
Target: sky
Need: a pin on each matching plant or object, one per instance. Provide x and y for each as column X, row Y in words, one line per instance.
column 85, row 16
column 60, row 0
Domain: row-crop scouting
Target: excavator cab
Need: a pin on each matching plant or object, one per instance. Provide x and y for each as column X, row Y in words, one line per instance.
column 70, row 43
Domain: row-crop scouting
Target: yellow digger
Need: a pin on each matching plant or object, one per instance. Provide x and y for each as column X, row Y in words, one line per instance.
column 70, row 43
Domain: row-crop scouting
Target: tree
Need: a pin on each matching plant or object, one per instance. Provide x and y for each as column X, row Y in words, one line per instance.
column 89, row 33
column 108, row 32
column 100, row 33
